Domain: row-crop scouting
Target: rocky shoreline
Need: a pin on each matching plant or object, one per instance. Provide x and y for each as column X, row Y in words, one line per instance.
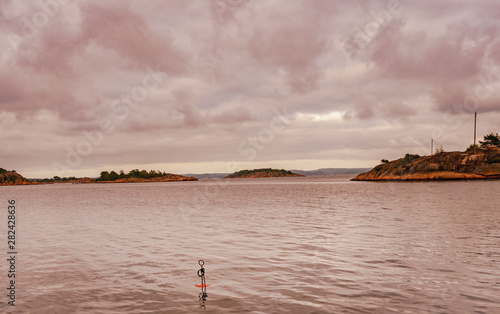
column 484, row 164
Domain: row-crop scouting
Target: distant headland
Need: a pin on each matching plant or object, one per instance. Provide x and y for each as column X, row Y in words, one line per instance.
column 262, row 173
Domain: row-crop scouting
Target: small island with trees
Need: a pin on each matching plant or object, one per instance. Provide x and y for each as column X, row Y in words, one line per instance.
column 477, row 162
column 262, row 173
column 137, row 175
column 13, row 178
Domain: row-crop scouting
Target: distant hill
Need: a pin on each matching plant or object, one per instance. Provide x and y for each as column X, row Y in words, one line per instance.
column 262, row 173
column 206, row 175
column 484, row 164
column 331, row 171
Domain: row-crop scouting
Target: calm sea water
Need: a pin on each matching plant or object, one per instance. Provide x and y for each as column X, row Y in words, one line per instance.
column 282, row 245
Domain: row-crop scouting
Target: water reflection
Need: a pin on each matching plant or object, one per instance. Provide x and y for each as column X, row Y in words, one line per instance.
column 202, row 297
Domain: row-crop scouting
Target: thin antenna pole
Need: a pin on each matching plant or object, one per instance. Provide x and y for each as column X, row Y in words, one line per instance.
column 475, row 124
column 432, row 146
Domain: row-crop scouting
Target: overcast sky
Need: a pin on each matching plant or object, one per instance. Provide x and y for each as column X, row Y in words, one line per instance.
column 220, row 85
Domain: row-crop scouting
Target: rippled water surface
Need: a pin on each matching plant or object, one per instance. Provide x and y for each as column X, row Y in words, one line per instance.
column 281, row 245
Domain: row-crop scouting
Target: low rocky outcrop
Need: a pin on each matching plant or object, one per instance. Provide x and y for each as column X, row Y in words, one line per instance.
column 483, row 164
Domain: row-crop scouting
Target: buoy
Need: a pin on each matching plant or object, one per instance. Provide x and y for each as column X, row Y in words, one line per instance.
column 201, row 273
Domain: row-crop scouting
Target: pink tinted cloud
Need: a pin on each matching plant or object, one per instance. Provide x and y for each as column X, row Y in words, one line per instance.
column 450, row 63
column 293, row 40
column 403, row 54
column 119, row 28
column 53, row 69
column 51, row 53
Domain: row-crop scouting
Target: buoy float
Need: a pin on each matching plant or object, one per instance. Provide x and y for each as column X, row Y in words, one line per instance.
column 201, row 273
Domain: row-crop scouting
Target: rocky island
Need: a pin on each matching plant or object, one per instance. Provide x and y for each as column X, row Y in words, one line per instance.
column 262, row 173
column 468, row 165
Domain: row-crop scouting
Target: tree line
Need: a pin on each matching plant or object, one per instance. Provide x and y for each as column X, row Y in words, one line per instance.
column 136, row 173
